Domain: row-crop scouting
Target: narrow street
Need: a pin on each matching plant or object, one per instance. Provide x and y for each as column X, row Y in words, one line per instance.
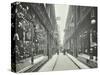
column 64, row 63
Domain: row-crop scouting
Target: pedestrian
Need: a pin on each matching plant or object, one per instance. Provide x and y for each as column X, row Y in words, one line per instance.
column 64, row 51
column 57, row 52
column 32, row 59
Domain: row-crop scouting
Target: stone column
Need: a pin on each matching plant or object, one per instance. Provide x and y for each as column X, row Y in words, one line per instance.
column 48, row 45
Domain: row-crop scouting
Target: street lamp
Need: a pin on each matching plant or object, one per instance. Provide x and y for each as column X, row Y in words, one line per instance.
column 93, row 21
column 36, row 40
column 93, row 16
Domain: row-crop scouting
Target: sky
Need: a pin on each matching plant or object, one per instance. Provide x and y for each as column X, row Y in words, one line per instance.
column 61, row 11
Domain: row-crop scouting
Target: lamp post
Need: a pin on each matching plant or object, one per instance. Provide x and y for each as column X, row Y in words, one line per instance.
column 92, row 38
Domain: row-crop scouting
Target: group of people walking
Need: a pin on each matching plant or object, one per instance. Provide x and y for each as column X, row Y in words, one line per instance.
column 63, row 51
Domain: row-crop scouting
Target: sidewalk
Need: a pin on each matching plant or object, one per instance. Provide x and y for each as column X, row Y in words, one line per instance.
column 26, row 64
column 86, row 60
column 84, row 56
column 87, row 57
column 77, row 62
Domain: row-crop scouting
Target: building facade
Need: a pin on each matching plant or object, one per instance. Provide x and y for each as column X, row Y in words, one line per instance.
column 81, row 31
column 33, row 30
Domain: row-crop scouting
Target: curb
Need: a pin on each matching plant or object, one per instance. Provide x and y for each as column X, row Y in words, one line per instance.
column 79, row 64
